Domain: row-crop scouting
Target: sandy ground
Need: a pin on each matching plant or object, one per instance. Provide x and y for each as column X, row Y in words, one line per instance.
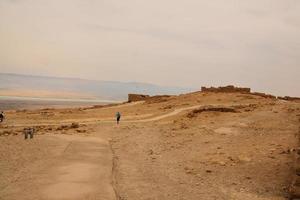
column 166, row 148
column 57, row 167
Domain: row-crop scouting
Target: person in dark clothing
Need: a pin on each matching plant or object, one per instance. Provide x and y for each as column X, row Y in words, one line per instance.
column 1, row 117
column 118, row 116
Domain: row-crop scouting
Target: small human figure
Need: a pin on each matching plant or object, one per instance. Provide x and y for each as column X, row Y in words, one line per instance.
column 118, row 116
column 1, row 116
column 29, row 131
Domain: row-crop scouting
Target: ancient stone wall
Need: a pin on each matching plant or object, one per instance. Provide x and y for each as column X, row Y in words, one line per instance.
column 233, row 89
column 137, row 97
column 226, row 89
column 263, row 95
column 287, row 98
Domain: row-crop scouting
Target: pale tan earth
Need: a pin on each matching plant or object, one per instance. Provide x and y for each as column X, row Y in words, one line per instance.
column 173, row 148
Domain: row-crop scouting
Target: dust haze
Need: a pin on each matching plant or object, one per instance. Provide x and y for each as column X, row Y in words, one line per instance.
column 172, row 43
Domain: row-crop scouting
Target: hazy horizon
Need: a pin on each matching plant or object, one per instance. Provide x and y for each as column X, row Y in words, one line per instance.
column 171, row 43
column 89, row 79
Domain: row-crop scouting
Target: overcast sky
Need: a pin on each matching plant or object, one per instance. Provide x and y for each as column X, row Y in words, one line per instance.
column 254, row 43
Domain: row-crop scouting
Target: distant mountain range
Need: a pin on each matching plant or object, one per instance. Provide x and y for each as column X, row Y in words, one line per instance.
column 40, row 86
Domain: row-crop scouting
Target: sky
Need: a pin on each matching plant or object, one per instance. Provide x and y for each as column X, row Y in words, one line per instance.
column 191, row 43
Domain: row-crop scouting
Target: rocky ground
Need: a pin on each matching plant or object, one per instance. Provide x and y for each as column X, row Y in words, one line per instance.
column 193, row 146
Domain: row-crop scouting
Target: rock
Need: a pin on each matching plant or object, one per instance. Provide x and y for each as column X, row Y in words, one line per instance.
column 222, row 163
column 272, row 157
column 298, row 171
column 294, row 192
column 150, row 152
column 244, row 159
column 285, row 152
column 153, row 157
column 291, row 150
column 297, row 181
column 168, row 107
column 183, row 126
column 81, row 131
column 230, row 158
column 75, row 125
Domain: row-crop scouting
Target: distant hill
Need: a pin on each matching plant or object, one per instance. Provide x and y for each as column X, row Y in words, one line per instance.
column 40, row 86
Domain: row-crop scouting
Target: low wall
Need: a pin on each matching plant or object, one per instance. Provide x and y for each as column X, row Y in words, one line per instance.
column 287, row 98
column 263, row 95
column 137, row 97
column 226, row 89
column 233, row 89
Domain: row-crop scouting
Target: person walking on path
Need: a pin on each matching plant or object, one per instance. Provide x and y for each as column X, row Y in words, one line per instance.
column 1, row 116
column 118, row 116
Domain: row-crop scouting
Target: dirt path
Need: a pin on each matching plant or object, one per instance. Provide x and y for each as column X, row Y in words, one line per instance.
column 80, row 169
column 175, row 112
column 95, row 121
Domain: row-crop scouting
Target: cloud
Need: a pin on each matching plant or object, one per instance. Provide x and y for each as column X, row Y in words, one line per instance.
column 170, row 42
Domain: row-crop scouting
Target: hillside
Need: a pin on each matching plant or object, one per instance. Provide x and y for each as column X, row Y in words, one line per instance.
column 201, row 145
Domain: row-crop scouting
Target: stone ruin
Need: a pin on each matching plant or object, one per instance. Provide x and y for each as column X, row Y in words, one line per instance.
column 137, row 97
column 227, row 89
column 263, row 95
column 287, row 98
column 233, row 89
